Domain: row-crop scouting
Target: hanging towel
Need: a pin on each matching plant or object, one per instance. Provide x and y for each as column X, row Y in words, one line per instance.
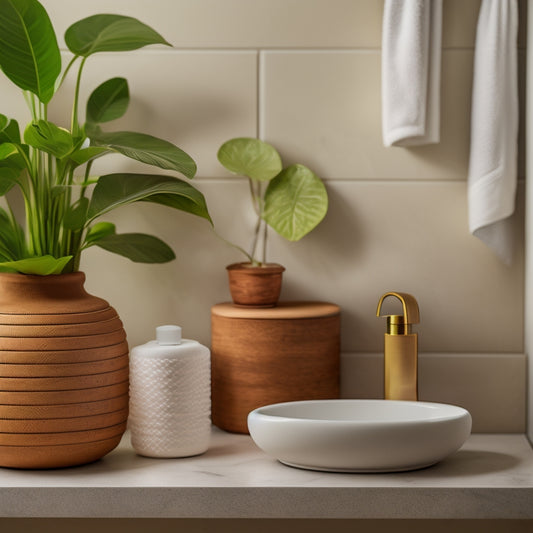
column 494, row 127
column 410, row 72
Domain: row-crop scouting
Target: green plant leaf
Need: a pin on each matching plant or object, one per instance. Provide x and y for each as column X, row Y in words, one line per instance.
column 9, row 131
column 87, row 154
column 109, row 33
column 8, row 179
column 99, row 231
column 15, row 161
column 6, row 150
column 138, row 247
column 58, row 190
column 11, row 238
column 11, row 160
column 145, row 148
column 42, row 266
column 114, row 190
column 11, row 164
column 249, row 157
column 76, row 215
column 195, row 206
column 295, row 202
column 29, row 54
column 108, row 101
column 49, row 138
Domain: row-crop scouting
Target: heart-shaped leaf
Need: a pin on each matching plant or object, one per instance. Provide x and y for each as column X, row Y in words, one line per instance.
column 109, row 33
column 114, row 190
column 295, row 202
column 145, row 148
column 249, row 157
column 138, row 247
column 29, row 54
column 108, row 101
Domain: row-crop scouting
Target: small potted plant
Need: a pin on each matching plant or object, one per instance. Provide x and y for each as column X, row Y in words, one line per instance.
column 291, row 200
column 63, row 352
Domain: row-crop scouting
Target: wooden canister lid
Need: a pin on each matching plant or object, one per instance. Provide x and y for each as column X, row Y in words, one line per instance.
column 284, row 310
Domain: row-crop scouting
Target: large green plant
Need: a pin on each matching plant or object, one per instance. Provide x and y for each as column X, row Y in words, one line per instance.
column 291, row 200
column 51, row 165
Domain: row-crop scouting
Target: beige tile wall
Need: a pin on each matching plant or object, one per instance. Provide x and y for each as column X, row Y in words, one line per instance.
column 305, row 75
column 492, row 387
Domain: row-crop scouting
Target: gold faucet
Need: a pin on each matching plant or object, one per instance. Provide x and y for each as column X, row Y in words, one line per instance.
column 401, row 350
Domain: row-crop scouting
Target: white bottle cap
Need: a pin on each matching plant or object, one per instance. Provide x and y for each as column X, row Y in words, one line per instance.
column 167, row 335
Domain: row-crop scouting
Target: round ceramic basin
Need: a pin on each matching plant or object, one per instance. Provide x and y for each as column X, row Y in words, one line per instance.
column 359, row 435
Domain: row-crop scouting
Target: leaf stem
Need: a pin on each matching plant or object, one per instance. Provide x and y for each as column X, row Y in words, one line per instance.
column 74, row 124
column 237, row 247
column 30, row 101
column 255, row 240
column 86, row 178
column 62, row 78
column 257, row 201
column 265, row 238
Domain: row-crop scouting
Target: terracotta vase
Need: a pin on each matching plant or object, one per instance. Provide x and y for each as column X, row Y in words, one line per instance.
column 255, row 286
column 63, row 372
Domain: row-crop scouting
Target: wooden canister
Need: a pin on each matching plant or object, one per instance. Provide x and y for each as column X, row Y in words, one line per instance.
column 264, row 356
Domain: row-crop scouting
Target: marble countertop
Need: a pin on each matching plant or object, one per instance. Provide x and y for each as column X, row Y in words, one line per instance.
column 490, row 477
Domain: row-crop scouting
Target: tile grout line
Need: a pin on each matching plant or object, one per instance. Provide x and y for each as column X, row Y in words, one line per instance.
column 259, row 94
column 278, row 49
column 388, row 181
column 352, row 180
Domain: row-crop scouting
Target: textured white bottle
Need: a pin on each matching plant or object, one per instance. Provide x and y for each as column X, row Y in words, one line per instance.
column 170, row 396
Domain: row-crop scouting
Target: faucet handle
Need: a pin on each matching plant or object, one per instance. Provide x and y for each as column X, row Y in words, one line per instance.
column 411, row 314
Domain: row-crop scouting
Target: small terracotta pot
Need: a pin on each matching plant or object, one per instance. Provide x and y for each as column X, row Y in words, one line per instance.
column 63, row 372
column 255, row 286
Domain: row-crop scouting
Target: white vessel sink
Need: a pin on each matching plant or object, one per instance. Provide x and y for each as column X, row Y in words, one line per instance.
column 359, row 435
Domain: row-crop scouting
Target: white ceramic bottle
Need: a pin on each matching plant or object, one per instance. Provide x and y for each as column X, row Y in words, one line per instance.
column 170, row 396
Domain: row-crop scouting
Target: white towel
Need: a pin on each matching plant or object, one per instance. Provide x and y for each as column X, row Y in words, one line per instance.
column 494, row 128
column 410, row 72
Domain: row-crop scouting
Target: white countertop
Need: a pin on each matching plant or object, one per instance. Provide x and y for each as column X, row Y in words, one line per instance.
column 490, row 477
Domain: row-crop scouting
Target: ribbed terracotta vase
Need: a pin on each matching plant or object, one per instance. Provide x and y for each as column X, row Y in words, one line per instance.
column 63, row 372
